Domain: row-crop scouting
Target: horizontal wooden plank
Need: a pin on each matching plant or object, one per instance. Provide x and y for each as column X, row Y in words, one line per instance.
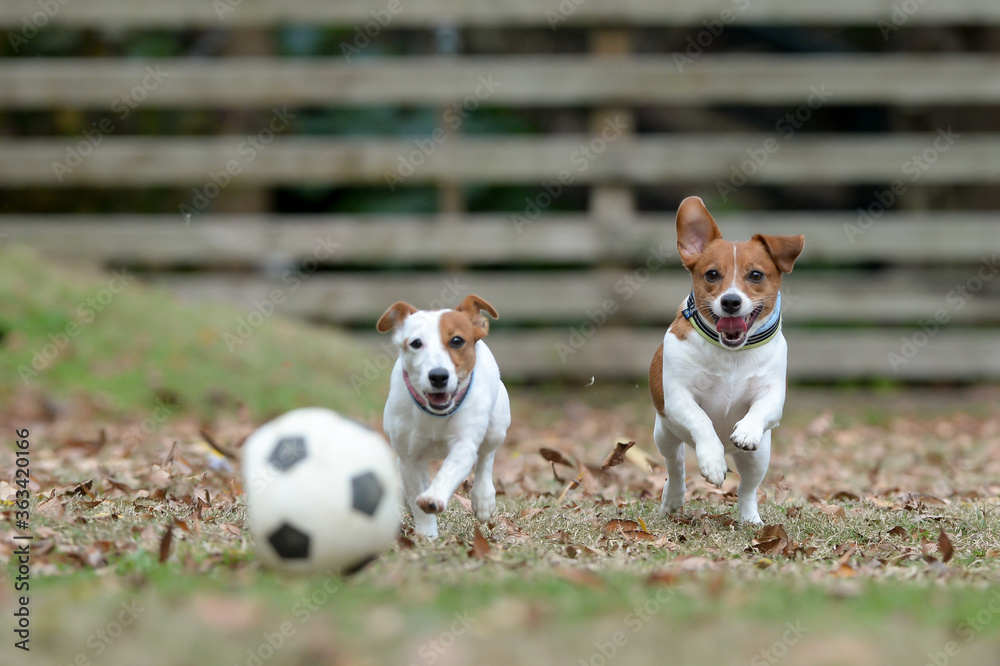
column 615, row 354
column 539, row 13
column 930, row 238
column 572, row 298
column 643, row 159
column 498, row 81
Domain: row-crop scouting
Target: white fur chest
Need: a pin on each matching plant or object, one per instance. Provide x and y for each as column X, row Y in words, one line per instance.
column 723, row 383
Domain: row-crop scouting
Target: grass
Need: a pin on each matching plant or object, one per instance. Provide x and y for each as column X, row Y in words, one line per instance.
column 863, row 483
column 75, row 333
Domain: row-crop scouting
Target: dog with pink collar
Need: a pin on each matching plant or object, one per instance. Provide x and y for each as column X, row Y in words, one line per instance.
column 446, row 401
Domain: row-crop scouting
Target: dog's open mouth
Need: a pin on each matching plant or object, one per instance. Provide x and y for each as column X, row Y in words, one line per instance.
column 439, row 401
column 733, row 330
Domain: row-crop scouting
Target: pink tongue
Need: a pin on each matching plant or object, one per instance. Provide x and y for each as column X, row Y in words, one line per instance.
column 437, row 399
column 731, row 325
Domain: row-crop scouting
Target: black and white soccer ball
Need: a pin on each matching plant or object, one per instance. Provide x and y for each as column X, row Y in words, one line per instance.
column 322, row 492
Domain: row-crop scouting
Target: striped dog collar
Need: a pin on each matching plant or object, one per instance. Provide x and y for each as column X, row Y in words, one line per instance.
column 767, row 332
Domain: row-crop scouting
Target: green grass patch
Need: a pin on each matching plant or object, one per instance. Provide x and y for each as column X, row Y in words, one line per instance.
column 71, row 333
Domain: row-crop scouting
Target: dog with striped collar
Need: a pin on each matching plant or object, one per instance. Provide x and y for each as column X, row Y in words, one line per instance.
column 446, row 401
column 718, row 380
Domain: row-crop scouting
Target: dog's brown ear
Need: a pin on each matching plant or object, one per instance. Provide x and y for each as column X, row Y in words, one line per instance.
column 473, row 306
column 394, row 316
column 783, row 249
column 695, row 230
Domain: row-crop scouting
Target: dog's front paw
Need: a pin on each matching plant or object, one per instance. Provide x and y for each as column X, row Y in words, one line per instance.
column 426, row 526
column 672, row 501
column 484, row 506
column 430, row 504
column 746, row 436
column 752, row 520
column 713, row 467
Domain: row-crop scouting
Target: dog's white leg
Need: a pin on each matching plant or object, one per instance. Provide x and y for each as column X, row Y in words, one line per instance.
column 764, row 414
column 457, row 465
column 484, row 495
column 689, row 422
column 752, row 466
column 415, row 481
column 672, row 449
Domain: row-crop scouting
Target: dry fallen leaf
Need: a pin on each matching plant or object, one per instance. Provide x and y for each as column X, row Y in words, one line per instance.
column 617, row 455
column 898, row 531
column 617, row 525
column 231, row 529
column 780, row 490
column 531, row 512
column 945, row 547
column 570, row 486
column 120, row 487
column 555, row 457
column 480, row 546
column 81, row 489
column 770, row 540
column 639, row 535
column 844, row 570
column 463, row 502
column 834, row 511
column 51, row 508
column 165, row 542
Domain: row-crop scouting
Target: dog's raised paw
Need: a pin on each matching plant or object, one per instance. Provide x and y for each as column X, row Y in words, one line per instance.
column 430, row 504
column 746, row 438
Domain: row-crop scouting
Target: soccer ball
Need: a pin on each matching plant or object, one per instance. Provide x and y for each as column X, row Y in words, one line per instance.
column 322, row 492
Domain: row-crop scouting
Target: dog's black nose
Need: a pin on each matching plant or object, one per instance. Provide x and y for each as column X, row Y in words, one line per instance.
column 438, row 377
column 731, row 303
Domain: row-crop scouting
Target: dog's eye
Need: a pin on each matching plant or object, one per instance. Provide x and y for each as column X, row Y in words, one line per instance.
column 713, row 276
column 456, row 342
column 756, row 276
column 416, row 344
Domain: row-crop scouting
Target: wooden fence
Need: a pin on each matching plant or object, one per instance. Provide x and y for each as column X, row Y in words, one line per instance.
column 904, row 292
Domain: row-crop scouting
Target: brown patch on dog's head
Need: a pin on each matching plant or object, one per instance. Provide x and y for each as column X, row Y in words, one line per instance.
column 783, row 250
column 394, row 316
column 472, row 306
column 458, row 337
column 696, row 231
column 462, row 328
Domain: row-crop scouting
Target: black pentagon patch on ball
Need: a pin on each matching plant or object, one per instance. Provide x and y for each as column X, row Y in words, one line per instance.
column 289, row 542
column 287, row 452
column 366, row 493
